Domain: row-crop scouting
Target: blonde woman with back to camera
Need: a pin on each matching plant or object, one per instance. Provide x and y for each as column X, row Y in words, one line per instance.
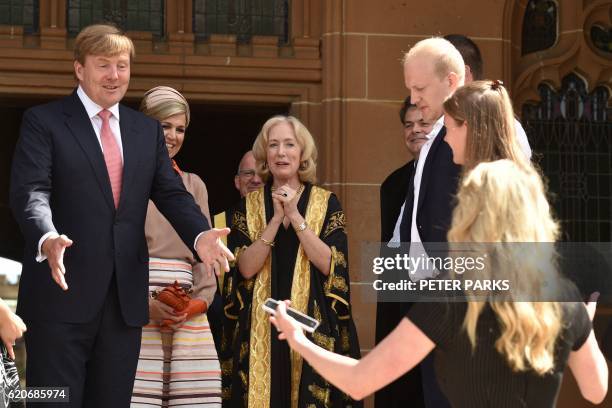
column 504, row 354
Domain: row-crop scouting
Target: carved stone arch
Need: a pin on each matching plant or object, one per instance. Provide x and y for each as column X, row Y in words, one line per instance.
column 573, row 51
column 579, row 72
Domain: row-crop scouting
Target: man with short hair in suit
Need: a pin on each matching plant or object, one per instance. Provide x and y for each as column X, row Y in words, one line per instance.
column 406, row 390
column 433, row 70
column 83, row 172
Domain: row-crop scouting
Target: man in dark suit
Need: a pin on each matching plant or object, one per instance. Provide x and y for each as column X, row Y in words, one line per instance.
column 83, row 172
column 406, row 390
column 433, row 70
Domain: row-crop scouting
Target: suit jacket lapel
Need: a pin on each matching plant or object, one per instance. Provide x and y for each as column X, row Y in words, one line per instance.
column 130, row 137
column 80, row 126
column 428, row 166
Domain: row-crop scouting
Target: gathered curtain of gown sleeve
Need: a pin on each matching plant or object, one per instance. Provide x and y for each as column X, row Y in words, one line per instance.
column 258, row 370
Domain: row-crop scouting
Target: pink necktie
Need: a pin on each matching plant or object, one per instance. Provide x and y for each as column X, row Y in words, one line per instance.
column 112, row 155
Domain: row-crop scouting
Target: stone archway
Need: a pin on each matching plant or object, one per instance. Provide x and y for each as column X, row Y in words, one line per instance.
column 572, row 72
column 573, row 51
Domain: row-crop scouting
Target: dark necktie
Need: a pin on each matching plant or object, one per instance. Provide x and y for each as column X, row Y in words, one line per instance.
column 406, row 223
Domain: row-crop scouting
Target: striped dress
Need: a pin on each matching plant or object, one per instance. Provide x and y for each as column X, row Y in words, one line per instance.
column 177, row 367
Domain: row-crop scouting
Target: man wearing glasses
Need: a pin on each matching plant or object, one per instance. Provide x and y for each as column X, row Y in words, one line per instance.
column 247, row 179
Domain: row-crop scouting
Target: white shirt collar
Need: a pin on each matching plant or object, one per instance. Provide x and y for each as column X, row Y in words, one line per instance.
column 93, row 108
column 436, row 128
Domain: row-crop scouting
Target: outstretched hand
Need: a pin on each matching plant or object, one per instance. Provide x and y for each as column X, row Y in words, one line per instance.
column 212, row 251
column 53, row 248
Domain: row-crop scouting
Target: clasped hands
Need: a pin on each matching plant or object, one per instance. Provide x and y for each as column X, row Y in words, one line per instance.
column 285, row 201
column 167, row 317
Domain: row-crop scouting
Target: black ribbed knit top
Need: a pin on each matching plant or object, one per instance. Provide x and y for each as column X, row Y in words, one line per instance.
column 481, row 377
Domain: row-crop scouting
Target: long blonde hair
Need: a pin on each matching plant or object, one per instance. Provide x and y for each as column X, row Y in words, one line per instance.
column 487, row 109
column 505, row 202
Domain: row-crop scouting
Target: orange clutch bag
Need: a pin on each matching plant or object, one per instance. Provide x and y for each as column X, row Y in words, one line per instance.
column 178, row 299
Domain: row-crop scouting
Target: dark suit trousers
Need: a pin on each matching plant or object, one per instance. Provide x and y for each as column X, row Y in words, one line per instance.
column 97, row 360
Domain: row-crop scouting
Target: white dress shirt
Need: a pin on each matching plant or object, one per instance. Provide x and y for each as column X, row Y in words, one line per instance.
column 395, row 240
column 521, row 138
column 418, row 174
column 418, row 250
column 93, row 109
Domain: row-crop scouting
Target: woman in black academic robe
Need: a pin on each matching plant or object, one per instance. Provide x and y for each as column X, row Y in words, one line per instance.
column 290, row 243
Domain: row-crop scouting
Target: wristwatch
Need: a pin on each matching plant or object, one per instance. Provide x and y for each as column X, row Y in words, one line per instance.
column 301, row 227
